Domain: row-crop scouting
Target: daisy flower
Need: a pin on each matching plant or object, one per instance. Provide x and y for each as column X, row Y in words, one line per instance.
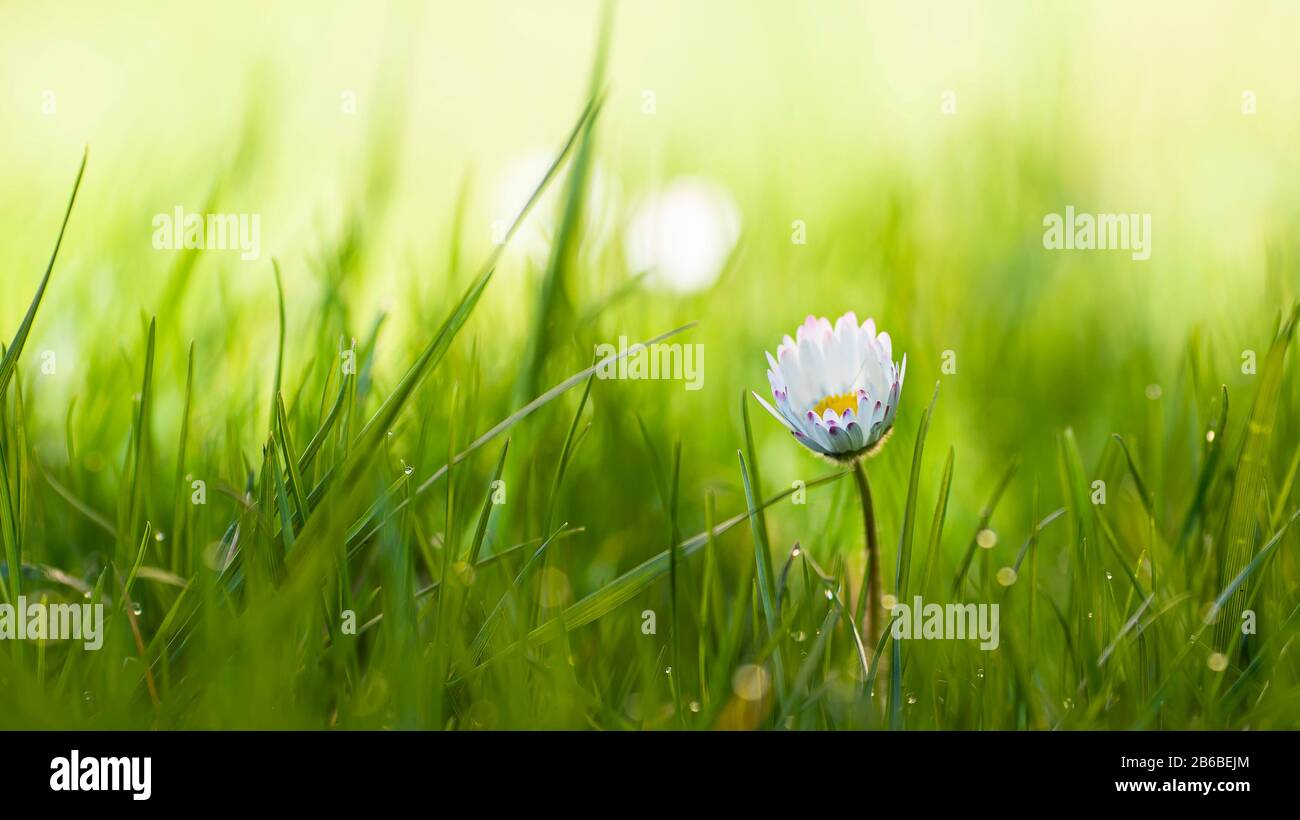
column 836, row 388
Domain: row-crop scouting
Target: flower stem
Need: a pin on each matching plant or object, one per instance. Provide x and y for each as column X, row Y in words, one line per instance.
column 870, row 620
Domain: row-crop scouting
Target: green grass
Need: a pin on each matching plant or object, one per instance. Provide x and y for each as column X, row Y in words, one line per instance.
column 505, row 528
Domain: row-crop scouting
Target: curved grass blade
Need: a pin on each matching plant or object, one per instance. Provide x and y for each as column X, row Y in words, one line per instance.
column 763, row 564
column 565, row 453
column 936, row 523
column 480, row 530
column 1213, row 450
column 1251, row 479
column 1147, row 501
column 903, row 563
column 15, row 349
column 180, row 490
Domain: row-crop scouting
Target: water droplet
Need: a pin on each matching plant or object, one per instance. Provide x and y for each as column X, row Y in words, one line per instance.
column 794, row 553
column 1090, row 616
column 408, row 469
column 1109, row 577
column 695, row 706
column 1209, row 436
column 911, row 699
column 986, row 538
column 979, row 673
column 668, row 670
column 1068, row 704
column 1154, row 392
column 799, row 636
column 160, row 536
column 830, row 595
column 1006, row 576
column 1218, row 662
column 136, row 609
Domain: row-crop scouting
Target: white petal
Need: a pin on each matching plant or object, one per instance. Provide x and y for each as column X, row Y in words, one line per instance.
column 886, row 344
column 857, row 437
column 771, row 410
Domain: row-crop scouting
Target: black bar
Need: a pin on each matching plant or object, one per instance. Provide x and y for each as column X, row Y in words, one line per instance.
column 384, row 769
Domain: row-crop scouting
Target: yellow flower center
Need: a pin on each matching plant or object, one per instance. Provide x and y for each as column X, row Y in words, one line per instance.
column 839, row 403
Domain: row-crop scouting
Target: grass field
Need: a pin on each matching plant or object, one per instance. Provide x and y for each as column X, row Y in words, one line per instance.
column 370, row 477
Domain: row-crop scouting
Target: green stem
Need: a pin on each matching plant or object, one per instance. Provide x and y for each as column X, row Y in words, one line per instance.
column 871, row 619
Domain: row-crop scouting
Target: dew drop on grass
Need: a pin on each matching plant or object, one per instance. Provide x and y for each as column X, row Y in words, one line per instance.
column 160, row 536
column 911, row 699
column 136, row 609
column 830, row 596
column 1218, row 662
column 979, row 673
column 1109, row 577
column 695, row 706
column 1006, row 576
column 987, row 538
column 799, row 636
column 408, row 470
